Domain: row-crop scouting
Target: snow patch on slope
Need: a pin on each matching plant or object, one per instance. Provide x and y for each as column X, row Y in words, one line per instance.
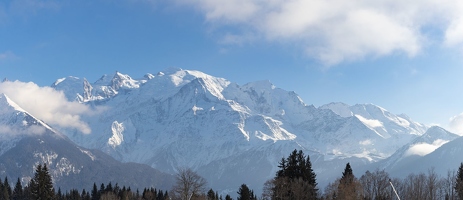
column 123, row 131
column 371, row 123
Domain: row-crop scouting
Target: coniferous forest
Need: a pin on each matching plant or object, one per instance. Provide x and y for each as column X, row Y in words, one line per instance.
column 295, row 180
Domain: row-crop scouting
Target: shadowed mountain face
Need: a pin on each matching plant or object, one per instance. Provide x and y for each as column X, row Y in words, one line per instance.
column 70, row 166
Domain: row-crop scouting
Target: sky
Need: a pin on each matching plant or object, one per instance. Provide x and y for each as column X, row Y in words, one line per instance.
column 405, row 56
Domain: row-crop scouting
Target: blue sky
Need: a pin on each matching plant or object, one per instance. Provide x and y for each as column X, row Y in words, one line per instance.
column 405, row 56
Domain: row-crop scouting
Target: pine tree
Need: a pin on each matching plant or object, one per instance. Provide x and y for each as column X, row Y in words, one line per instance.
column 244, row 193
column 295, row 179
column 3, row 191
column 228, row 197
column 18, row 191
column 347, row 175
column 7, row 188
column 95, row 192
column 41, row 185
column 459, row 182
column 59, row 194
column 211, row 195
column 349, row 187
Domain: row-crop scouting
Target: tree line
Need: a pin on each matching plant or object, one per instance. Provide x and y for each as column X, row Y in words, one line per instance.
column 378, row 185
column 295, row 180
column 41, row 187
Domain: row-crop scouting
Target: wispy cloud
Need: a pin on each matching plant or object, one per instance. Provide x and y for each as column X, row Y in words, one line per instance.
column 8, row 55
column 456, row 124
column 335, row 31
column 47, row 104
column 8, row 131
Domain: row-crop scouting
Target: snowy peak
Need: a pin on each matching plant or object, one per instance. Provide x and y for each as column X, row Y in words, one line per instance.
column 259, row 86
column 180, row 77
column 339, row 108
column 378, row 119
column 148, row 76
column 6, row 104
column 71, row 87
column 14, row 117
column 16, row 123
column 434, row 133
column 123, row 81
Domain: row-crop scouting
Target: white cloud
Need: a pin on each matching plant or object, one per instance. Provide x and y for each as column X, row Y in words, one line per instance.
column 225, row 10
column 454, row 34
column 47, row 104
column 7, row 131
column 456, row 124
column 8, row 55
column 423, row 149
column 334, row 31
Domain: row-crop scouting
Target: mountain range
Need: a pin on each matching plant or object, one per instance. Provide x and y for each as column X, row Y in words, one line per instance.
column 229, row 133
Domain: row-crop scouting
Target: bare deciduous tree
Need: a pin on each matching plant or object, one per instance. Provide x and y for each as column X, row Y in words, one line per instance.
column 188, row 184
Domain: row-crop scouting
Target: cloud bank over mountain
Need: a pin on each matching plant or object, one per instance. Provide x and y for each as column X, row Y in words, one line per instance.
column 47, row 104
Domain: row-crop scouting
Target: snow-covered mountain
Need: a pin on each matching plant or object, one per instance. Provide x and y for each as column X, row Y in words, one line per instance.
column 231, row 134
column 26, row 141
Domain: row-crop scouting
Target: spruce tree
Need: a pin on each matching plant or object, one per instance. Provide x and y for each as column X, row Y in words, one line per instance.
column 244, row 193
column 295, row 179
column 41, row 185
column 347, row 175
column 4, row 195
column 95, row 192
column 211, row 195
column 6, row 184
column 459, row 182
column 18, row 191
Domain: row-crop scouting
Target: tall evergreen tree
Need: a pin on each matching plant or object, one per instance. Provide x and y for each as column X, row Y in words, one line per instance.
column 18, row 191
column 459, row 182
column 95, row 192
column 41, row 185
column 244, row 193
column 3, row 191
column 295, row 178
column 347, row 175
column 349, row 187
column 7, row 187
column 211, row 195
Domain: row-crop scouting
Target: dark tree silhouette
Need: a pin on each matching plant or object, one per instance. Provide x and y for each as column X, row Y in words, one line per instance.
column 295, row 179
column 41, row 185
column 459, row 182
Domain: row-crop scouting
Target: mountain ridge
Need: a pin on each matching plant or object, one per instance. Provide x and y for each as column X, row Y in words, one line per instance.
column 186, row 118
column 186, row 114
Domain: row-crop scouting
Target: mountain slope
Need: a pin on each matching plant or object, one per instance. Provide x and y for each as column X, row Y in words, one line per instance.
column 444, row 158
column 32, row 142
